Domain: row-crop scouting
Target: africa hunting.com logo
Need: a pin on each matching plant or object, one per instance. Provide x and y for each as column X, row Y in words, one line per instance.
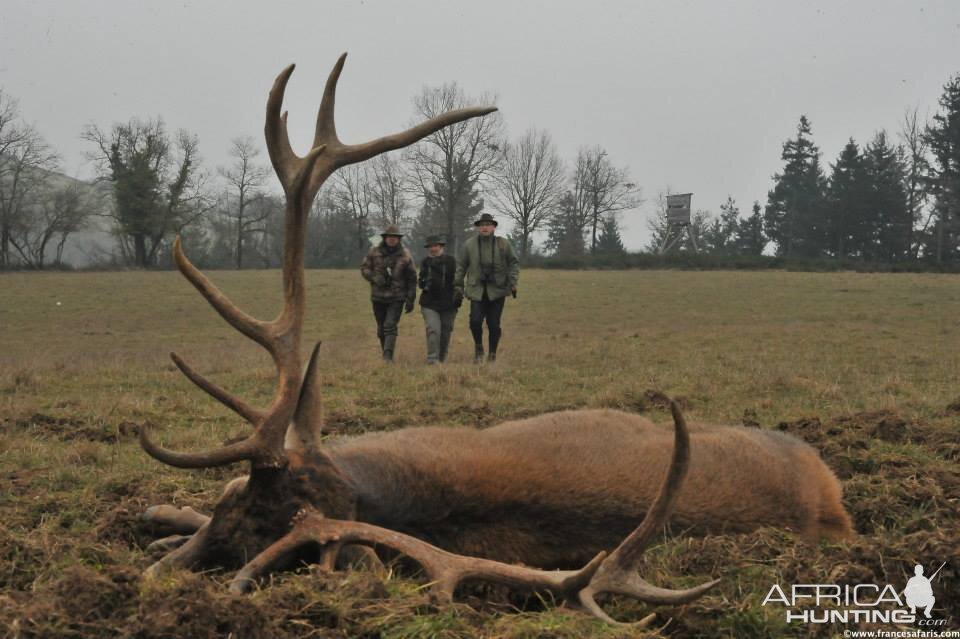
column 861, row 603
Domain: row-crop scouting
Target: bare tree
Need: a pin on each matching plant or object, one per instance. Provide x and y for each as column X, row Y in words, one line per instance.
column 157, row 186
column 354, row 192
column 25, row 164
column 916, row 164
column 601, row 189
column 245, row 179
column 390, row 190
column 529, row 184
column 58, row 212
column 450, row 163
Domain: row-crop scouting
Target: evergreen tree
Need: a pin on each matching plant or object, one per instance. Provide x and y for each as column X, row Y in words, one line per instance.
column 849, row 231
column 610, row 242
column 564, row 229
column 794, row 215
column 333, row 232
column 436, row 218
column 943, row 139
column 719, row 236
column 750, row 239
column 888, row 208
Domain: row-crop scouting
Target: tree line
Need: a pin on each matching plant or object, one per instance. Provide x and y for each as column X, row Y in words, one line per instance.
column 884, row 201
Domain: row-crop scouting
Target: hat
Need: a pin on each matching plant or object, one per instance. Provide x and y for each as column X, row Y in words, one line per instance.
column 434, row 239
column 392, row 230
column 485, row 218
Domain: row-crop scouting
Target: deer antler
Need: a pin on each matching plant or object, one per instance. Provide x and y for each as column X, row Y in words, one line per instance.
column 301, row 178
column 614, row 573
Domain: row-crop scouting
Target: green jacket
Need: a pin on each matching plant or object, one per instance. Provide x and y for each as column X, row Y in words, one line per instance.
column 506, row 267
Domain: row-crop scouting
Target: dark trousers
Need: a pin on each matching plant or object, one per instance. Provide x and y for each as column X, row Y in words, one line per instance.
column 489, row 310
column 388, row 316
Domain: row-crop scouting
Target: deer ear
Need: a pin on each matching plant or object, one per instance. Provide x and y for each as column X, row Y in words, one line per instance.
column 307, row 426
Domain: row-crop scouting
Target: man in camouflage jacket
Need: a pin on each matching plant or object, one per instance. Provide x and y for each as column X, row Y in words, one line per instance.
column 390, row 269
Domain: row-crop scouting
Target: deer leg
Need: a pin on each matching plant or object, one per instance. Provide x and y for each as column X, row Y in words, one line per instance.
column 186, row 556
column 180, row 520
column 362, row 557
column 166, row 544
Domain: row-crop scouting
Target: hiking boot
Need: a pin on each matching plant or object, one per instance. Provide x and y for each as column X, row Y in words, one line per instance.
column 478, row 355
column 389, row 342
column 492, row 357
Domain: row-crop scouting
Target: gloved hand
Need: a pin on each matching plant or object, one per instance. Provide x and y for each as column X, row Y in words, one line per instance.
column 457, row 297
column 513, row 291
column 409, row 307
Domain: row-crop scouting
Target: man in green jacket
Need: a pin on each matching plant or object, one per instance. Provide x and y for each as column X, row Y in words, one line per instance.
column 487, row 271
column 390, row 269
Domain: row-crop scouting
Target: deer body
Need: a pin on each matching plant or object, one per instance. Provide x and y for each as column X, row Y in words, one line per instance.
column 554, row 490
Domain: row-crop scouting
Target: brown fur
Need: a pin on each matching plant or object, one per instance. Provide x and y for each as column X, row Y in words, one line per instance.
column 553, row 490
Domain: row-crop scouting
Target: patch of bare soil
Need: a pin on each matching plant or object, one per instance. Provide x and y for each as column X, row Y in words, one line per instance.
column 339, row 423
column 72, row 428
column 658, row 399
column 124, row 524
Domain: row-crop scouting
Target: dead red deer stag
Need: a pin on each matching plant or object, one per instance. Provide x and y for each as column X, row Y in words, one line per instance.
column 556, row 491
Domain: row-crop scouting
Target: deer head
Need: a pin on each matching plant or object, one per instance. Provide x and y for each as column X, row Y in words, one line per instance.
column 288, row 470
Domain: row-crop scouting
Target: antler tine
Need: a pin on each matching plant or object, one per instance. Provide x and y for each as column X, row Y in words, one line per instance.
column 359, row 152
column 282, row 157
column 326, row 132
column 234, row 403
column 618, row 573
column 253, row 328
column 242, row 450
column 629, row 551
column 308, row 419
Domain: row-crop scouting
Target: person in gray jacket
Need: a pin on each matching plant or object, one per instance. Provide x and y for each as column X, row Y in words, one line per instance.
column 438, row 299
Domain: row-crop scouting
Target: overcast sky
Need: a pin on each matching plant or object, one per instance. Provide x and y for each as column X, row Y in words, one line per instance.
column 697, row 96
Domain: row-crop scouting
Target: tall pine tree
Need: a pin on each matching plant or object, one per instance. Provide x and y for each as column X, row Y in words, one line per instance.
column 794, row 215
column 750, row 239
column 849, row 232
column 888, row 209
column 943, row 139
column 719, row 236
column 610, row 242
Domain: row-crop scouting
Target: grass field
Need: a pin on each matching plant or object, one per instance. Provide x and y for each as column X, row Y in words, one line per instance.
column 864, row 366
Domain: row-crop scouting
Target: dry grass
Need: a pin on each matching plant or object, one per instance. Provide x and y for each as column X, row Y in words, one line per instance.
column 864, row 366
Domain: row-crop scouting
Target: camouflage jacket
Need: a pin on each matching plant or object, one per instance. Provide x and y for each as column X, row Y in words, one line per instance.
column 392, row 274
